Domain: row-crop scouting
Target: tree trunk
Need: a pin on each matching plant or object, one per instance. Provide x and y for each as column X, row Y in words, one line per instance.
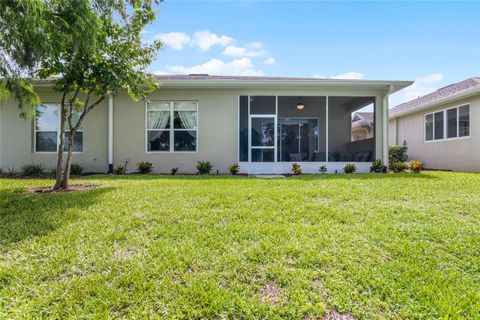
column 60, row 173
column 68, row 165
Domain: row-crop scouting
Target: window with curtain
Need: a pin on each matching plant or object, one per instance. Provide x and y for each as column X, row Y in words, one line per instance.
column 172, row 126
column 47, row 124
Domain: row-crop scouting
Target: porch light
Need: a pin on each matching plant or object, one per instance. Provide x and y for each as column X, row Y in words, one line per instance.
column 300, row 104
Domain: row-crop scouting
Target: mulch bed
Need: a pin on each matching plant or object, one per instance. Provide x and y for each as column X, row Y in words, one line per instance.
column 71, row 188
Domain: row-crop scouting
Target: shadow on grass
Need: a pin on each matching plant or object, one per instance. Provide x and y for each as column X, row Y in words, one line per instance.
column 26, row 215
column 340, row 176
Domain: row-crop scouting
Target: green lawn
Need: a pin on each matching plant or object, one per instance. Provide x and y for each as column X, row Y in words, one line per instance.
column 380, row 246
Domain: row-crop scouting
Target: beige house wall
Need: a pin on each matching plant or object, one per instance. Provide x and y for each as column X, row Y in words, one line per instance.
column 461, row 154
column 217, row 130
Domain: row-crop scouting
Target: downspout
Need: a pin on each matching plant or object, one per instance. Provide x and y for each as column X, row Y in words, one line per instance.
column 385, row 126
column 110, row 134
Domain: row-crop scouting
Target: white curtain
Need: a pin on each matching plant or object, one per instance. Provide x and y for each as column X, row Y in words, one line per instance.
column 158, row 119
column 189, row 120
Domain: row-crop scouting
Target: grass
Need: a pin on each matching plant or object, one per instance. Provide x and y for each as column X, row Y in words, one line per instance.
column 379, row 246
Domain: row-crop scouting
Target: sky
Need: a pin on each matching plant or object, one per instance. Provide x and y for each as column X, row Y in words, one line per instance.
column 434, row 43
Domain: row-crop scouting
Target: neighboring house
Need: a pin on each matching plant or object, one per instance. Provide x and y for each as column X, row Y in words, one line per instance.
column 262, row 123
column 362, row 126
column 441, row 129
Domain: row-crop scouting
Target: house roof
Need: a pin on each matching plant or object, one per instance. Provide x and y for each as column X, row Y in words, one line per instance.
column 363, row 116
column 213, row 81
column 446, row 94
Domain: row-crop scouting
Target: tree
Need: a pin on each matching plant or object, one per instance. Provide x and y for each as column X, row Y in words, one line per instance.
column 89, row 49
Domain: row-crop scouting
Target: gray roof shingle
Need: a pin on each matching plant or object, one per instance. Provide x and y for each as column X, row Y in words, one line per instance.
column 441, row 93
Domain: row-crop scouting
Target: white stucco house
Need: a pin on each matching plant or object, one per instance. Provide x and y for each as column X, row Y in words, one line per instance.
column 442, row 128
column 262, row 123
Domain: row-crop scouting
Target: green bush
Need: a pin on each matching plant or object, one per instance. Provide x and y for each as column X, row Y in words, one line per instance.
column 32, row 170
column 119, row 169
column 174, row 171
column 145, row 167
column 204, row 167
column 376, row 166
column 234, row 168
column 76, row 169
column 398, row 167
column 296, row 169
column 350, row 168
column 397, row 154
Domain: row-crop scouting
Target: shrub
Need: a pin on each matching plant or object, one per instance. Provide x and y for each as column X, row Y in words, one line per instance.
column 350, row 168
column 415, row 166
column 397, row 154
column 76, row 169
column 119, row 169
column 377, row 166
column 204, row 167
column 398, row 167
column 174, row 171
column 323, row 169
column 296, row 169
column 234, row 168
column 144, row 167
column 32, row 170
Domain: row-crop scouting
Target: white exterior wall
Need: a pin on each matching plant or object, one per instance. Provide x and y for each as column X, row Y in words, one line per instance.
column 457, row 154
column 218, row 122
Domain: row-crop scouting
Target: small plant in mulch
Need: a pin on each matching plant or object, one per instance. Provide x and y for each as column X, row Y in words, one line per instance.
column 234, row 168
column 119, row 169
column 415, row 166
column 350, row 168
column 174, row 171
column 204, row 167
column 323, row 169
column 377, row 166
column 296, row 169
column 32, row 170
column 144, row 167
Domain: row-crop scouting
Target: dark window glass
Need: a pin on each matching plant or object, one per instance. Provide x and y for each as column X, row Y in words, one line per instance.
column 262, row 105
column 185, row 140
column 158, row 140
column 243, row 134
column 263, row 132
column 438, row 125
column 46, row 141
column 262, row 155
column 429, row 127
column 77, row 145
column 452, row 123
column 464, row 121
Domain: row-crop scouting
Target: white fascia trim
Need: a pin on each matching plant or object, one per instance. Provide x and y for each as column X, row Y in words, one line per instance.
column 461, row 95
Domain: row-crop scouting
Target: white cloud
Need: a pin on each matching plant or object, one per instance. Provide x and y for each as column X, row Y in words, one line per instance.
column 319, row 76
column 160, row 73
column 234, row 51
column 205, row 40
column 270, row 61
column 175, row 40
column 349, row 76
column 238, row 67
column 421, row 86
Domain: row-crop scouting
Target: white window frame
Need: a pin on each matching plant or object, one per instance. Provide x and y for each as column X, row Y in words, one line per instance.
column 171, row 130
column 58, row 130
column 445, row 124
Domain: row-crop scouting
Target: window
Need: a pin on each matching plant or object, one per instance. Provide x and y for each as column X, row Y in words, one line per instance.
column 47, row 124
column 172, row 126
column 448, row 124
